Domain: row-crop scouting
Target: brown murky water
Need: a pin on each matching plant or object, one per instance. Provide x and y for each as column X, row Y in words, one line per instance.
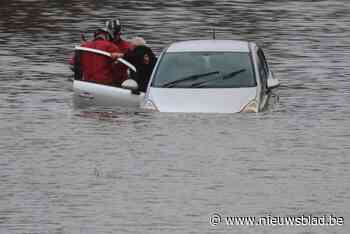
column 68, row 170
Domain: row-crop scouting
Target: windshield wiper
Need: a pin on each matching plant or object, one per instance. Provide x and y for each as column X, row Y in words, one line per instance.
column 191, row 77
column 233, row 74
column 225, row 77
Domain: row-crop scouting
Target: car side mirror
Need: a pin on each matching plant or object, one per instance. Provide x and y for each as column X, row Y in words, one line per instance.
column 272, row 83
column 130, row 84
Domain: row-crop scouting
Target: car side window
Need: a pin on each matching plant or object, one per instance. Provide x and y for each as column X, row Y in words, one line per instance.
column 263, row 69
column 262, row 72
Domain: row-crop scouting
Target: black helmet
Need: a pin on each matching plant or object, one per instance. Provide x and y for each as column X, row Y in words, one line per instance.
column 113, row 26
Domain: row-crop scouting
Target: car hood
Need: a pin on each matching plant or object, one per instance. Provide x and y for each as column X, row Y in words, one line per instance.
column 224, row 100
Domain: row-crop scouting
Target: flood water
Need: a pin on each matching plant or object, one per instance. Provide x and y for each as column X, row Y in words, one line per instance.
column 69, row 170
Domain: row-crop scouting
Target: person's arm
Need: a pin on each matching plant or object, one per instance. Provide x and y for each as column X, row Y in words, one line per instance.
column 115, row 52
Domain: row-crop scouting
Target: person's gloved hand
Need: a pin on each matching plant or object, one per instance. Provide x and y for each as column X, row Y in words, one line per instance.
column 116, row 55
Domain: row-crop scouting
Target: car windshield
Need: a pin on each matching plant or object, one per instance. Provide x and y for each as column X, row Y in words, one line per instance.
column 205, row 70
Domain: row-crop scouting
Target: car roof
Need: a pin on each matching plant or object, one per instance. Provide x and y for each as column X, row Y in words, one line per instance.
column 209, row 46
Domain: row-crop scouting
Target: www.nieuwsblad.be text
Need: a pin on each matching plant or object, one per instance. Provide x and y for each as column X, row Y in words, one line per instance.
column 303, row 220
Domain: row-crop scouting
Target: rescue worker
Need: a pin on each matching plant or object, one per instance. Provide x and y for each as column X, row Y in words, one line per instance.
column 99, row 68
column 115, row 29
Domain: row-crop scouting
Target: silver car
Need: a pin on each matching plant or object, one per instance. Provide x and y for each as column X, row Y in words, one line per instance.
column 210, row 76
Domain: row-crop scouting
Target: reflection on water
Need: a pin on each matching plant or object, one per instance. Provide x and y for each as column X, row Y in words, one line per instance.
column 68, row 170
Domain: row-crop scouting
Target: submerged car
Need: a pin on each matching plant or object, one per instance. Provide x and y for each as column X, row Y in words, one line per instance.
column 203, row 76
column 218, row 76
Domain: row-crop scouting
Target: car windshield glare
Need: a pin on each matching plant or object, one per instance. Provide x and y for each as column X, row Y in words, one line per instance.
column 205, row 70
